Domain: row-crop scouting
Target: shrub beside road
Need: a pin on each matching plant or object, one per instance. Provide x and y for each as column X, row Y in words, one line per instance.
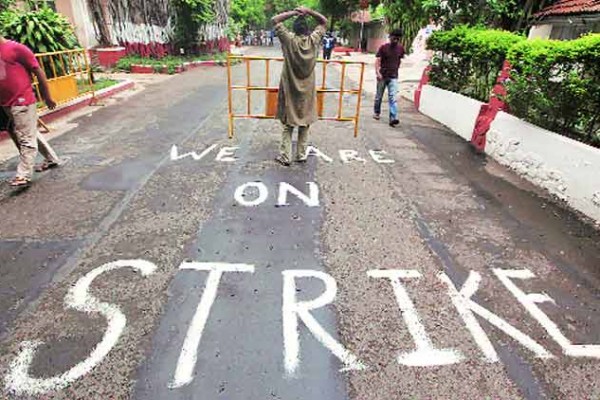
column 553, row 84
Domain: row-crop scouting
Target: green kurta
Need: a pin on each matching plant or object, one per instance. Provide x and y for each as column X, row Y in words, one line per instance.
column 297, row 103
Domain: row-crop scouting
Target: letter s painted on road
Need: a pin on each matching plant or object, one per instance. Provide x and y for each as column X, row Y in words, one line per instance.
column 18, row 380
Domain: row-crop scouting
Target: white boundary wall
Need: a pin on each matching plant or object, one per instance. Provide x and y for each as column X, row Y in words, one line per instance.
column 454, row 110
column 566, row 168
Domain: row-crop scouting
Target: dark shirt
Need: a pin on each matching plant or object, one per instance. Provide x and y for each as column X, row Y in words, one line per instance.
column 328, row 43
column 390, row 60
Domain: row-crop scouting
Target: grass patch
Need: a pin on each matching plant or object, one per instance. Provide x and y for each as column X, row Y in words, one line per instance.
column 169, row 62
column 99, row 84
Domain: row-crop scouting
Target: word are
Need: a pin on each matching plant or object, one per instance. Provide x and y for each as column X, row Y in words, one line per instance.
column 294, row 312
column 227, row 155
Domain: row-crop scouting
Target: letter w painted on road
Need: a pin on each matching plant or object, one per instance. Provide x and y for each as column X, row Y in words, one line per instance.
column 175, row 156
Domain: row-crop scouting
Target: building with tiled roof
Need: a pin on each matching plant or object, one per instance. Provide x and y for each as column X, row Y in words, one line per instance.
column 567, row 19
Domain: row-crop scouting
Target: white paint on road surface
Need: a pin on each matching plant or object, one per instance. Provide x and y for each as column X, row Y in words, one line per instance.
column 184, row 373
column 378, row 157
column 175, row 156
column 240, row 194
column 530, row 302
column 78, row 298
column 467, row 308
column 294, row 310
column 19, row 382
column 312, row 150
column 227, row 154
column 425, row 354
column 312, row 200
column 347, row 156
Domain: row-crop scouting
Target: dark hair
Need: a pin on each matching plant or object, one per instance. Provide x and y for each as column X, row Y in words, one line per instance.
column 396, row 33
column 300, row 26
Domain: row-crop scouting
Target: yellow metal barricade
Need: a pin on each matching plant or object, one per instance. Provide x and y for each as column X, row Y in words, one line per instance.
column 273, row 92
column 69, row 75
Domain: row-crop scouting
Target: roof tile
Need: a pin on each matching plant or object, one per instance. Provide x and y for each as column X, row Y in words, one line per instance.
column 570, row 7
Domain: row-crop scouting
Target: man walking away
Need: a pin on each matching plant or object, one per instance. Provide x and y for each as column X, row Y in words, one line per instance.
column 271, row 37
column 328, row 45
column 18, row 103
column 387, row 63
column 297, row 90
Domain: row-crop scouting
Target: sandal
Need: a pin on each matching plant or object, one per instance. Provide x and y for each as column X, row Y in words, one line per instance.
column 18, row 181
column 281, row 160
column 46, row 165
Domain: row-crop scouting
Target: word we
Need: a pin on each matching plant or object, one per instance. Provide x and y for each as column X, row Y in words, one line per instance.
column 425, row 354
column 227, row 155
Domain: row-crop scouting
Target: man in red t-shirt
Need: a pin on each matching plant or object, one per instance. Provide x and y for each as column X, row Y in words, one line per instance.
column 18, row 104
column 387, row 64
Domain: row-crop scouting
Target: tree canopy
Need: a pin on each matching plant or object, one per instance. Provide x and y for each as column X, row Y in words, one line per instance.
column 248, row 13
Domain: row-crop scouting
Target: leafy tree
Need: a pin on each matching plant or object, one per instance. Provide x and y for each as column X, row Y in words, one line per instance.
column 337, row 9
column 506, row 14
column 248, row 13
column 5, row 5
column 409, row 15
column 190, row 16
column 274, row 7
column 43, row 31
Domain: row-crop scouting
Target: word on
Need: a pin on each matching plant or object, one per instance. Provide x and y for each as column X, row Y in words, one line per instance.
column 294, row 312
column 241, row 194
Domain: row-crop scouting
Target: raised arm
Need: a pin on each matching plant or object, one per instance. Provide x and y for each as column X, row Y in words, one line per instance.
column 283, row 16
column 321, row 20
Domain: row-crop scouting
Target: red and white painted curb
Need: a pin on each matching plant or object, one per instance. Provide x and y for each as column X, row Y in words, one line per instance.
column 566, row 168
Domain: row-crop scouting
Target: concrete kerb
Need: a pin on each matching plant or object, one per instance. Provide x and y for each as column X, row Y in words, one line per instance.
column 80, row 102
column 457, row 112
column 566, row 168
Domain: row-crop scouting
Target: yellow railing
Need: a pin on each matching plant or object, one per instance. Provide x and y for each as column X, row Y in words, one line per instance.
column 272, row 92
column 69, row 75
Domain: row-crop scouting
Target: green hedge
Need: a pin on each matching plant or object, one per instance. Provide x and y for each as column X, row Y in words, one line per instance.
column 553, row 84
column 556, row 85
column 468, row 60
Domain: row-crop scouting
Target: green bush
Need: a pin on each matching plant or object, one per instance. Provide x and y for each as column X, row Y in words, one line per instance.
column 556, row 85
column 468, row 59
column 553, row 84
column 42, row 31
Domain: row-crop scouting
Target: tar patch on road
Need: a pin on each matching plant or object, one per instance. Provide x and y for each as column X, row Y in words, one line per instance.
column 240, row 355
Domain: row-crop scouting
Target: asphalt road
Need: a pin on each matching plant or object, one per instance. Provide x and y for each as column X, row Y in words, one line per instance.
column 395, row 265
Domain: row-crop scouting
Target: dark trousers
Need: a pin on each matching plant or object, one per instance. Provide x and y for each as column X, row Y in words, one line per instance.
column 327, row 54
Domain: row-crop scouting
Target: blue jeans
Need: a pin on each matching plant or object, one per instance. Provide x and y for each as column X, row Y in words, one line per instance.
column 392, row 88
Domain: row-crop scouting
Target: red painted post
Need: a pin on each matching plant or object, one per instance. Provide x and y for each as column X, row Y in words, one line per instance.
column 488, row 112
column 424, row 81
